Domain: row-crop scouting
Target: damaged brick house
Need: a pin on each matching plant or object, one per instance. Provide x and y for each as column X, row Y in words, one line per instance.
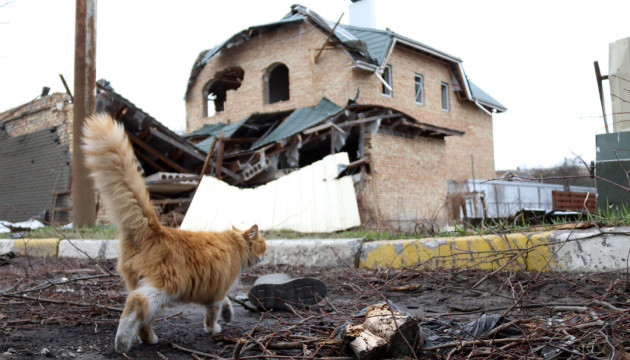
column 277, row 97
column 36, row 148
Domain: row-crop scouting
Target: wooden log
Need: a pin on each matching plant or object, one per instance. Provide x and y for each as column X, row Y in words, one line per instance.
column 384, row 333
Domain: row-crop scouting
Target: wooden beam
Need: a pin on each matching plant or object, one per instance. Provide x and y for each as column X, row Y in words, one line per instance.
column 177, row 154
column 219, row 164
column 327, row 38
column 177, row 144
column 148, row 160
column 205, row 163
column 65, row 85
column 240, row 139
column 427, row 128
column 156, row 153
column 351, row 123
column 600, row 78
column 171, row 201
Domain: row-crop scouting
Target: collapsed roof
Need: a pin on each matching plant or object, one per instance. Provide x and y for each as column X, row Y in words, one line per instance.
column 369, row 49
column 157, row 148
column 245, row 149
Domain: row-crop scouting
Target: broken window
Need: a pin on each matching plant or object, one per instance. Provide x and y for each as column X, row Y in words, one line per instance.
column 387, row 77
column 277, row 83
column 444, row 96
column 215, row 92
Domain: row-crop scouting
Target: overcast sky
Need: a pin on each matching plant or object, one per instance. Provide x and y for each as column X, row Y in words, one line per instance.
column 535, row 57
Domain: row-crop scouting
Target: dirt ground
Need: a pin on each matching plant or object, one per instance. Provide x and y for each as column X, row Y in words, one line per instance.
column 585, row 316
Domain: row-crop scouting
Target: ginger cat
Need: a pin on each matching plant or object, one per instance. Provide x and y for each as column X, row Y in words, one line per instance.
column 159, row 264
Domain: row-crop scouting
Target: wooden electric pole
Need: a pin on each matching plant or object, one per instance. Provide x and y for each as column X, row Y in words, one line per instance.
column 84, row 104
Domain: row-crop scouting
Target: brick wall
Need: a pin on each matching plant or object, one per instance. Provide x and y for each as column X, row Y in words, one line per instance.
column 462, row 115
column 41, row 113
column 33, row 165
column 407, row 182
column 334, row 78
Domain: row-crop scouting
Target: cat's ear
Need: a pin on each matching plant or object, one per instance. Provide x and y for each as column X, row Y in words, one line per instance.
column 234, row 228
column 252, row 232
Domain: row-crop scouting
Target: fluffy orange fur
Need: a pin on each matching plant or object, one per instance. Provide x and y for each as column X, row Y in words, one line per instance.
column 160, row 264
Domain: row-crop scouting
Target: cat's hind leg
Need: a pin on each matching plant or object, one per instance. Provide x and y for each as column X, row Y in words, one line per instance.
column 227, row 310
column 146, row 334
column 141, row 307
column 210, row 324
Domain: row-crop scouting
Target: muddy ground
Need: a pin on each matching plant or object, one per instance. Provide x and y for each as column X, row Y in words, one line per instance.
column 586, row 316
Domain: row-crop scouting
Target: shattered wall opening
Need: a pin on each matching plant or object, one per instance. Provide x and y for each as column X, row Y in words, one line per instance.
column 277, row 83
column 215, row 91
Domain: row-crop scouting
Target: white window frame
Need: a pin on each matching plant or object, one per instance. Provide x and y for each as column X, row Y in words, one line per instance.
column 445, row 95
column 388, row 79
column 419, row 85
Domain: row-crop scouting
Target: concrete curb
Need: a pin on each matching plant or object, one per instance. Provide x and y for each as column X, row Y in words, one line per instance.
column 313, row 252
column 31, row 247
column 104, row 249
column 488, row 252
column 562, row 250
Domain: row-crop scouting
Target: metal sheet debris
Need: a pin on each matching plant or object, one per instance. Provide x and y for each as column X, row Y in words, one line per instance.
column 506, row 198
column 308, row 200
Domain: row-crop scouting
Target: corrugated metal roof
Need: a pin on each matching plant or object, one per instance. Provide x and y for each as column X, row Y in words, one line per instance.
column 376, row 41
column 206, row 129
column 301, row 119
column 229, row 130
column 372, row 44
column 482, row 96
column 206, row 55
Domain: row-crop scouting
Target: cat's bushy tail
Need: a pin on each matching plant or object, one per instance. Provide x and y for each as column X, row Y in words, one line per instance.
column 110, row 158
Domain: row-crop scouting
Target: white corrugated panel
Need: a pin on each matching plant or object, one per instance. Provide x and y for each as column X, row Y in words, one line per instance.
column 618, row 75
column 307, row 200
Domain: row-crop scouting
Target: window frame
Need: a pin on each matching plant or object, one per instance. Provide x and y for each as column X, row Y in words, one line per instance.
column 267, row 89
column 445, row 96
column 205, row 95
column 417, row 76
column 385, row 91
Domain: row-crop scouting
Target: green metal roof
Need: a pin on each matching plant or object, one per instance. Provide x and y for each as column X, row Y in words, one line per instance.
column 229, row 130
column 300, row 120
column 376, row 41
column 206, row 129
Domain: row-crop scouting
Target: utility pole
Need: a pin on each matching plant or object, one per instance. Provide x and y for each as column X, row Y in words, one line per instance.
column 84, row 104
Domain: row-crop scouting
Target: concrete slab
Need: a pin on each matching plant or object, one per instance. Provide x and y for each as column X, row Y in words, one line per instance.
column 7, row 246
column 36, row 247
column 313, row 252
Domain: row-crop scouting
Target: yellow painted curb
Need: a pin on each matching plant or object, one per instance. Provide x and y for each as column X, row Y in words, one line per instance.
column 37, row 247
column 487, row 252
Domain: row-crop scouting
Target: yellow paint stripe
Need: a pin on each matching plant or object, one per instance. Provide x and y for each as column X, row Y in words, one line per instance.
column 37, row 247
column 487, row 252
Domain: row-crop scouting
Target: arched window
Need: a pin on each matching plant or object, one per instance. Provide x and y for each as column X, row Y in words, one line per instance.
column 277, row 83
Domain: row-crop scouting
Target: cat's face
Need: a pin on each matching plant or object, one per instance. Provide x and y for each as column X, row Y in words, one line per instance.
column 256, row 244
